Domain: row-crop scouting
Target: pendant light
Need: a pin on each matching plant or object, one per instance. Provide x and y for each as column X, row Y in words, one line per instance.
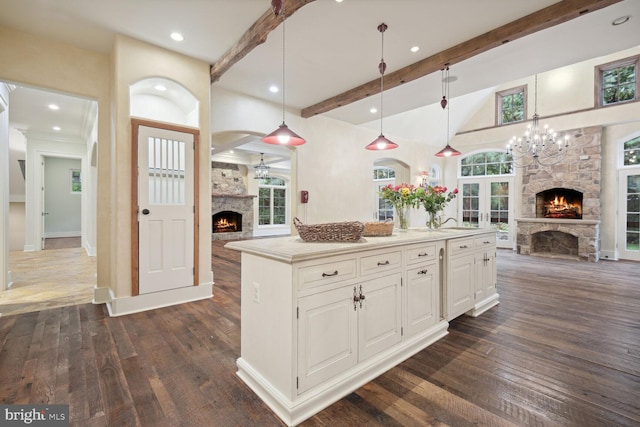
column 261, row 171
column 381, row 142
column 447, row 151
column 283, row 135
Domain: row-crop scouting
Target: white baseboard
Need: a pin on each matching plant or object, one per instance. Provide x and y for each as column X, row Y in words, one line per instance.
column 610, row 255
column 130, row 305
column 54, row 234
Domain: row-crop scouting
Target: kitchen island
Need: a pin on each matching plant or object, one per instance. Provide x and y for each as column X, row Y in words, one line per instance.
column 321, row 319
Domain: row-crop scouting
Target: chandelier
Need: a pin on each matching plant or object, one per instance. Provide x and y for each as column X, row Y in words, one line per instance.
column 539, row 145
column 261, row 171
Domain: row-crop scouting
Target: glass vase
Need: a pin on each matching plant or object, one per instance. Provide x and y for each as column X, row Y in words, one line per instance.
column 403, row 217
column 433, row 220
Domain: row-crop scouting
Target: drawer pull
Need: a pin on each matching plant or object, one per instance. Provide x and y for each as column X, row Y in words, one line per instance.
column 335, row 273
column 383, row 263
column 425, row 271
column 423, row 254
column 463, row 246
column 486, row 242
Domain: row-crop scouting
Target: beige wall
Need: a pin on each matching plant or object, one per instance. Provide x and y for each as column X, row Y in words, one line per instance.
column 41, row 62
column 134, row 61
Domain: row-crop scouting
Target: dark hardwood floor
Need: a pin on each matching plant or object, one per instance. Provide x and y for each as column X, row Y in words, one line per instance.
column 561, row 349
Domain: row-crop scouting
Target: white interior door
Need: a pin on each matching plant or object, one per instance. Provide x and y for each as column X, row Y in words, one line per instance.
column 629, row 211
column 486, row 204
column 165, row 209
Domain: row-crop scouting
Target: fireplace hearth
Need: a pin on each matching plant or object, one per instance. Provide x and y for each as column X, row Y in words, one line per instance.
column 561, row 208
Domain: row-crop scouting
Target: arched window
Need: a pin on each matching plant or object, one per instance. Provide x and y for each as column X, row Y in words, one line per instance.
column 272, row 201
column 382, row 176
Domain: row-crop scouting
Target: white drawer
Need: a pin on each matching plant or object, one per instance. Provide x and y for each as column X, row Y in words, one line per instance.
column 422, row 252
column 326, row 273
column 380, row 262
column 485, row 241
column 460, row 246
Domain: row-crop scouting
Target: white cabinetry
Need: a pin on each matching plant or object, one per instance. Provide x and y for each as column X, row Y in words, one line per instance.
column 471, row 275
column 320, row 320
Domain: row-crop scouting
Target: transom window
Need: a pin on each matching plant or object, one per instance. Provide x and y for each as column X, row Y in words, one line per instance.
column 272, row 201
column 511, row 105
column 617, row 82
column 487, row 163
column 631, row 152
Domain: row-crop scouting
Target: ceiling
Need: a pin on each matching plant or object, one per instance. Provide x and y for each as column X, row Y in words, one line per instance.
column 332, row 46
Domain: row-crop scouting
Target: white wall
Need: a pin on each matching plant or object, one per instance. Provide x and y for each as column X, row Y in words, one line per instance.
column 4, row 188
column 333, row 165
column 17, row 214
column 63, row 207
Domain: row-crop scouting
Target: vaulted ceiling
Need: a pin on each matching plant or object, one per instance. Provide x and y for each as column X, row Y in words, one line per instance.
column 333, row 47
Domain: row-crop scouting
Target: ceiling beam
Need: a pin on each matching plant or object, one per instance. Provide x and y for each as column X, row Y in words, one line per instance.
column 548, row 17
column 253, row 37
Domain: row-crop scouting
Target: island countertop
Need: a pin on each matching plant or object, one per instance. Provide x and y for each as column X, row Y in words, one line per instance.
column 292, row 249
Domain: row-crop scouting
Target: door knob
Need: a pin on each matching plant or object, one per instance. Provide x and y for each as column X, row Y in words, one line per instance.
column 146, row 211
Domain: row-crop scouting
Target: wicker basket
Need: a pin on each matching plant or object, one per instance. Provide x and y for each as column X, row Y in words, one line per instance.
column 348, row 231
column 378, row 228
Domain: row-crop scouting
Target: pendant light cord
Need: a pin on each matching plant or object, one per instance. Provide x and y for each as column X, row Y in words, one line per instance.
column 382, row 68
column 448, row 102
column 284, row 18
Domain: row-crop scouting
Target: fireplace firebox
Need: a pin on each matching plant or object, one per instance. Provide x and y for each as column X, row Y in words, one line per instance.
column 227, row 222
column 563, row 203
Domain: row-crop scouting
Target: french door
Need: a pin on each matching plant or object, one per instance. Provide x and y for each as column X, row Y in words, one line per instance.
column 629, row 211
column 485, row 203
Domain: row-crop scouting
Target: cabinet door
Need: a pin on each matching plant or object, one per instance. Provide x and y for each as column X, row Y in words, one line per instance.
column 421, row 297
column 489, row 273
column 380, row 316
column 460, row 288
column 327, row 334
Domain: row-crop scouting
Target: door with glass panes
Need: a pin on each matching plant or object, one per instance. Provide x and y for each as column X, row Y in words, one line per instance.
column 485, row 203
column 629, row 232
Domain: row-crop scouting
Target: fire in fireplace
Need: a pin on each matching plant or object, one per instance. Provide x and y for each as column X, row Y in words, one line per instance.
column 227, row 222
column 563, row 203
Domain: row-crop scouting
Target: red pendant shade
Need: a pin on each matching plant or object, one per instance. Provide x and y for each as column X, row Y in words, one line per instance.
column 284, row 136
column 448, row 151
column 381, row 143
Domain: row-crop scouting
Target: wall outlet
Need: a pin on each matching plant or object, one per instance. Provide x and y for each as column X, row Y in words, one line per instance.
column 256, row 292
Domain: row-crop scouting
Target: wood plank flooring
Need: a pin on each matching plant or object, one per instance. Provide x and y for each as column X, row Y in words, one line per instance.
column 561, row 349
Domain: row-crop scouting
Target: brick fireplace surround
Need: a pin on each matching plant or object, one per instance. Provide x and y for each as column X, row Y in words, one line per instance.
column 580, row 171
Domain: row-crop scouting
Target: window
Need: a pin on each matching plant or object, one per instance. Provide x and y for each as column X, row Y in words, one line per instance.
column 272, row 201
column 383, row 176
column 617, row 82
column 76, row 181
column 631, row 152
column 486, row 163
column 511, row 105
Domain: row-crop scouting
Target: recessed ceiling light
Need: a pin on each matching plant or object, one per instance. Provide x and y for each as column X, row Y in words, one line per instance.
column 160, row 88
column 56, row 128
column 53, row 107
column 177, row 36
column 621, row 20
column 373, row 110
column 230, row 151
column 273, row 89
column 414, row 49
column 338, row 1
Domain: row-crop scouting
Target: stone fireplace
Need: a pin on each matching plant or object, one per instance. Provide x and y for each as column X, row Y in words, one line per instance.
column 231, row 206
column 561, row 209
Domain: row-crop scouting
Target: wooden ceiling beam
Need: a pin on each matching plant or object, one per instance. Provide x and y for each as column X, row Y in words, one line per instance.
column 253, row 37
column 548, row 17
